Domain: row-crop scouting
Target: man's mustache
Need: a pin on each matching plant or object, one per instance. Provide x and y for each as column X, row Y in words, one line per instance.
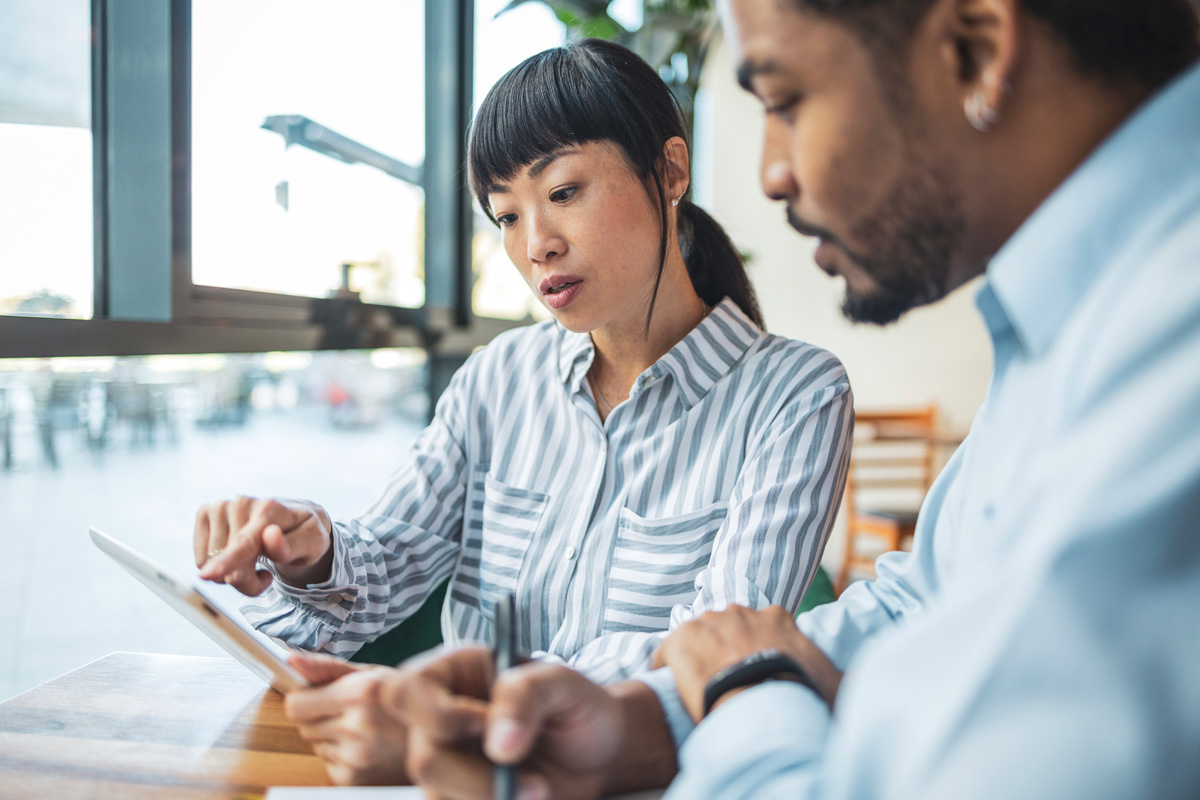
column 805, row 229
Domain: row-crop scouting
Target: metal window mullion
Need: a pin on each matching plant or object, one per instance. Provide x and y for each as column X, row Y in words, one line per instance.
column 99, row 125
column 449, row 75
column 134, row 129
column 182, row 288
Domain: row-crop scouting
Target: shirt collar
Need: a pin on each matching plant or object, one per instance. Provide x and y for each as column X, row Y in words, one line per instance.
column 1041, row 274
column 696, row 362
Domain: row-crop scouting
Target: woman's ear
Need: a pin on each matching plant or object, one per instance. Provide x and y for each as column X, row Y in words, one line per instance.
column 678, row 167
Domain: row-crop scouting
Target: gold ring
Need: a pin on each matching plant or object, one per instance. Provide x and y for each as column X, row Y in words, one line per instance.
column 215, row 552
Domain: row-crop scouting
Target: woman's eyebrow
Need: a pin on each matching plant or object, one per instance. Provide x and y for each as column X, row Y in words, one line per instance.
column 536, row 168
column 539, row 166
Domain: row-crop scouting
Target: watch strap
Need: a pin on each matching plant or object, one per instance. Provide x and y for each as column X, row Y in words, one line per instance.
column 761, row 666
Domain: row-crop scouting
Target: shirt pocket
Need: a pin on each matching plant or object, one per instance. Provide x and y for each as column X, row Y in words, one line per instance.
column 654, row 566
column 511, row 517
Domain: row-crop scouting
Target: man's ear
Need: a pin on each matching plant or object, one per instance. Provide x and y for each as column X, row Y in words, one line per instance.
column 980, row 41
column 677, row 165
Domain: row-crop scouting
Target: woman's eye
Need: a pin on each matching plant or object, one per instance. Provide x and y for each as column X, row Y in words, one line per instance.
column 506, row 219
column 562, row 195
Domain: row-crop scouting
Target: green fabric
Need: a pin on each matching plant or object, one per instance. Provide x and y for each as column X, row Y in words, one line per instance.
column 423, row 629
column 820, row 592
column 416, row 634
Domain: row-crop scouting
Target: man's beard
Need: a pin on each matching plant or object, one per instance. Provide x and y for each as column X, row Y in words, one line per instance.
column 907, row 245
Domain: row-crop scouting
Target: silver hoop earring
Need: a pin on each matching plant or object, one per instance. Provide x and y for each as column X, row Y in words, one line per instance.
column 980, row 115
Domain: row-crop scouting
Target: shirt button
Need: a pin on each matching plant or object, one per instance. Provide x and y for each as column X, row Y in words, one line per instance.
column 570, row 552
column 335, row 598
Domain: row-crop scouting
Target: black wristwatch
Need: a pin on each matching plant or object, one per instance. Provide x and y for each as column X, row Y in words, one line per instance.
column 762, row 666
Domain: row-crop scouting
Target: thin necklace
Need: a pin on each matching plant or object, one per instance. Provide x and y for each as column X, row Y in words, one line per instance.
column 599, row 394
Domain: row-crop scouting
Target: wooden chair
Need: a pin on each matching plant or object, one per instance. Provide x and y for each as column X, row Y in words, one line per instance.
column 891, row 468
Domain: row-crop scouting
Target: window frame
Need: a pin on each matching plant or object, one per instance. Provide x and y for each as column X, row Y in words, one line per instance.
column 145, row 300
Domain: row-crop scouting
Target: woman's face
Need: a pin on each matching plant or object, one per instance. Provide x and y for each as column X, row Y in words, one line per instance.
column 582, row 230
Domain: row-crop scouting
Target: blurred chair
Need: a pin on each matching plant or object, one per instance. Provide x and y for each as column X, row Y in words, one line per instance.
column 891, row 468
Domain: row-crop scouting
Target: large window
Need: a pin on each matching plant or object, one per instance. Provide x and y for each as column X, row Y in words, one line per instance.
column 281, row 174
column 46, row 249
column 284, row 94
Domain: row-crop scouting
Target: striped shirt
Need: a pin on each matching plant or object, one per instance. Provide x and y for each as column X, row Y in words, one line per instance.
column 716, row 482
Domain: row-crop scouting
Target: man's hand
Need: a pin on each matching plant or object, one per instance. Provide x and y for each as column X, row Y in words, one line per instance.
column 230, row 536
column 346, row 720
column 701, row 648
column 571, row 737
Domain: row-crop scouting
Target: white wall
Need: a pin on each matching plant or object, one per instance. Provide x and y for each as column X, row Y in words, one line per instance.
column 938, row 354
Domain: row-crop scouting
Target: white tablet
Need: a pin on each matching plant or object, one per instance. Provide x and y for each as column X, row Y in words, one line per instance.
column 188, row 598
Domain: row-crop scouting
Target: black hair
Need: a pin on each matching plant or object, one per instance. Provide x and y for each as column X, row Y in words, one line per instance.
column 598, row 91
column 1146, row 42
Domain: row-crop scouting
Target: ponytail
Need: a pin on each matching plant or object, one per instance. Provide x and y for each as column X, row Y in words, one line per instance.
column 713, row 263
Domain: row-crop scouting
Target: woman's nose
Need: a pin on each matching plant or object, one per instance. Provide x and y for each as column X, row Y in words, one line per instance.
column 545, row 241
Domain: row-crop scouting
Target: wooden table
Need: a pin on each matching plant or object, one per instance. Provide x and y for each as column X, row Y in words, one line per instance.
column 133, row 725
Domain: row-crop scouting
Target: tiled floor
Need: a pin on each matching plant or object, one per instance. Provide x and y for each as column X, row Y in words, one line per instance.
column 63, row 603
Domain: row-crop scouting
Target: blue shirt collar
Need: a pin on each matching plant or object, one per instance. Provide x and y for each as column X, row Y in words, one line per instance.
column 1042, row 272
column 696, row 362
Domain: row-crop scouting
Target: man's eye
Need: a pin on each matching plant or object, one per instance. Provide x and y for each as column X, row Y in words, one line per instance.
column 785, row 109
column 562, row 195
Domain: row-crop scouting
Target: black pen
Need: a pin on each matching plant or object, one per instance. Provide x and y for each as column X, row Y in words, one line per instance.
column 505, row 652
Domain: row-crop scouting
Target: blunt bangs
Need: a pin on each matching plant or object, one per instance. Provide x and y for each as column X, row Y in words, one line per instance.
column 560, row 98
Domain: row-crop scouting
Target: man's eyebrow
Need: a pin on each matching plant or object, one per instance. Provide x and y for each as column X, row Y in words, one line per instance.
column 747, row 71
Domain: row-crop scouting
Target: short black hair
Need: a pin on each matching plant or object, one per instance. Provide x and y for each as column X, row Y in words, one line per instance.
column 1145, row 42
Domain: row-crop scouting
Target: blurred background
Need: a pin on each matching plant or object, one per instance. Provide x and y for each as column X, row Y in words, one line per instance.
column 236, row 256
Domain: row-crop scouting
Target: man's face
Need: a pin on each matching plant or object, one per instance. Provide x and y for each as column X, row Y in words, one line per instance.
column 850, row 154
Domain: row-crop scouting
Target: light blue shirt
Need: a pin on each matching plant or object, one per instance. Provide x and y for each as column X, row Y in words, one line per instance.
column 1042, row 640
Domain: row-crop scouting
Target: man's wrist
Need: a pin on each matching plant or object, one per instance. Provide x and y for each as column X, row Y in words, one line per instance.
column 646, row 758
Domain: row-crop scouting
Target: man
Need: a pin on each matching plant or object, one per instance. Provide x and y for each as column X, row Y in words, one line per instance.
column 1043, row 637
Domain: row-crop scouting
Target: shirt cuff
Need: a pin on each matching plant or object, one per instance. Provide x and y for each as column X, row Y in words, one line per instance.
column 775, row 726
column 335, row 596
column 662, row 683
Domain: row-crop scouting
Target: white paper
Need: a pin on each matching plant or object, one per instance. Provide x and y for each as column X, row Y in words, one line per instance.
column 345, row 793
column 390, row 793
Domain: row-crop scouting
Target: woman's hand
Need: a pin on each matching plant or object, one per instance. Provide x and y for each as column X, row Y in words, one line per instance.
column 346, row 719
column 699, row 649
column 231, row 535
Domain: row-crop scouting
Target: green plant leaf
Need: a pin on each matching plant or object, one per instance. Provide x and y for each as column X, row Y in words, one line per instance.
column 599, row 28
column 568, row 18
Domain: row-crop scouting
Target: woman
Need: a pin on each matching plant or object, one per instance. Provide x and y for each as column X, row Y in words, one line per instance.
column 648, row 455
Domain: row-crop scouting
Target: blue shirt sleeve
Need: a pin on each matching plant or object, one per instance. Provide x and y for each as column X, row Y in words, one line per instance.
column 765, row 742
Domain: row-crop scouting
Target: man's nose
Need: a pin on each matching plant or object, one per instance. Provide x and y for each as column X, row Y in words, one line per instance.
column 777, row 175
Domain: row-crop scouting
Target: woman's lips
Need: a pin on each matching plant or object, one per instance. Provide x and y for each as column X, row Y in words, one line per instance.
column 561, row 294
